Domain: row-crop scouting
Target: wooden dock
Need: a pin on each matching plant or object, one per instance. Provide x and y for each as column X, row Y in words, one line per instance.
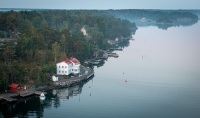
column 9, row 99
column 119, row 49
column 39, row 92
column 88, row 73
column 9, row 96
column 26, row 93
column 113, row 55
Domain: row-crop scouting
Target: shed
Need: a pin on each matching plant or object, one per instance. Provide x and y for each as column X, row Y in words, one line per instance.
column 14, row 87
column 54, row 78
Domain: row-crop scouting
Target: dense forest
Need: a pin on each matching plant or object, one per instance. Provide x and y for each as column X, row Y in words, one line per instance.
column 160, row 18
column 32, row 42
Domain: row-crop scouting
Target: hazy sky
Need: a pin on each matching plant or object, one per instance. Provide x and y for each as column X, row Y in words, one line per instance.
column 101, row 4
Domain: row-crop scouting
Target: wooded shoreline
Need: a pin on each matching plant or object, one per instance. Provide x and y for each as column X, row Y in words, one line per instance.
column 44, row 37
column 61, row 83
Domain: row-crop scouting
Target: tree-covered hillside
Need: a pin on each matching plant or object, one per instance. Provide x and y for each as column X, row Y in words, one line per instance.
column 31, row 42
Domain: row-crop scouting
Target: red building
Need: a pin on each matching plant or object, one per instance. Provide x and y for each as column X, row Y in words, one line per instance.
column 14, row 87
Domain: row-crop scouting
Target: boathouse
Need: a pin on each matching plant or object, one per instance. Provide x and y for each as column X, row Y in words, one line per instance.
column 14, row 87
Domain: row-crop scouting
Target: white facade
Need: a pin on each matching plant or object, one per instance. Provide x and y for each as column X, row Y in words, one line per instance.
column 54, row 78
column 76, row 68
column 68, row 66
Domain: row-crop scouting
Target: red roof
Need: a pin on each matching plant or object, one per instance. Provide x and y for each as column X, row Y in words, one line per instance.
column 67, row 61
column 71, row 60
column 74, row 60
column 14, row 85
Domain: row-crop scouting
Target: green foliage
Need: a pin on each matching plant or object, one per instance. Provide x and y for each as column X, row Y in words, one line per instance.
column 55, row 48
column 45, row 37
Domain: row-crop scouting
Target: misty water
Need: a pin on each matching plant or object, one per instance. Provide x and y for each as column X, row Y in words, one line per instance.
column 156, row 76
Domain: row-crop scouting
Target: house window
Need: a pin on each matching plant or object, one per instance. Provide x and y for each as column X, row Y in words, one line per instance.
column 62, row 71
column 65, row 66
column 59, row 66
column 65, row 71
column 62, row 66
column 59, row 71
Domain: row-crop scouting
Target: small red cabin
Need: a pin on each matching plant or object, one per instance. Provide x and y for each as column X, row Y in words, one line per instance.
column 14, row 87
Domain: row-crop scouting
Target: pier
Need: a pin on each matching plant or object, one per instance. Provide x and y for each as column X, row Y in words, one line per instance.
column 83, row 77
column 119, row 49
column 26, row 93
column 39, row 92
column 9, row 97
column 74, row 80
column 113, row 55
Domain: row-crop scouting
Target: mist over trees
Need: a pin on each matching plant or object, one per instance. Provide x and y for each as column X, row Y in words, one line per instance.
column 161, row 18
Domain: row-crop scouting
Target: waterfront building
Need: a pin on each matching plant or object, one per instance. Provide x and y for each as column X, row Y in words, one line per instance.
column 14, row 87
column 68, row 66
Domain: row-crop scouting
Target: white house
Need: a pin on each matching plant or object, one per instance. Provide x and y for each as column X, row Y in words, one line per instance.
column 75, row 66
column 68, row 66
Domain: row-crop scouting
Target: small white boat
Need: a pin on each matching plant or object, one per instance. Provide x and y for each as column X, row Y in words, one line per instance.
column 42, row 96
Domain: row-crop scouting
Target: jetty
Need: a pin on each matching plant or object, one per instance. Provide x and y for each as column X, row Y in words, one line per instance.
column 62, row 82
column 113, row 55
column 119, row 49
column 39, row 92
column 9, row 97
column 27, row 93
column 74, row 80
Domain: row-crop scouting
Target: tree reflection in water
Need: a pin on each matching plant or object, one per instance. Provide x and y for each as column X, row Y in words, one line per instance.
column 34, row 107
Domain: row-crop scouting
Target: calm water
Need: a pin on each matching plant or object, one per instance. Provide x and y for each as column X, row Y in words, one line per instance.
column 157, row 76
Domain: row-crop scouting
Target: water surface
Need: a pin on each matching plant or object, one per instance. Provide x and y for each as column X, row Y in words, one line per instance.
column 157, row 76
